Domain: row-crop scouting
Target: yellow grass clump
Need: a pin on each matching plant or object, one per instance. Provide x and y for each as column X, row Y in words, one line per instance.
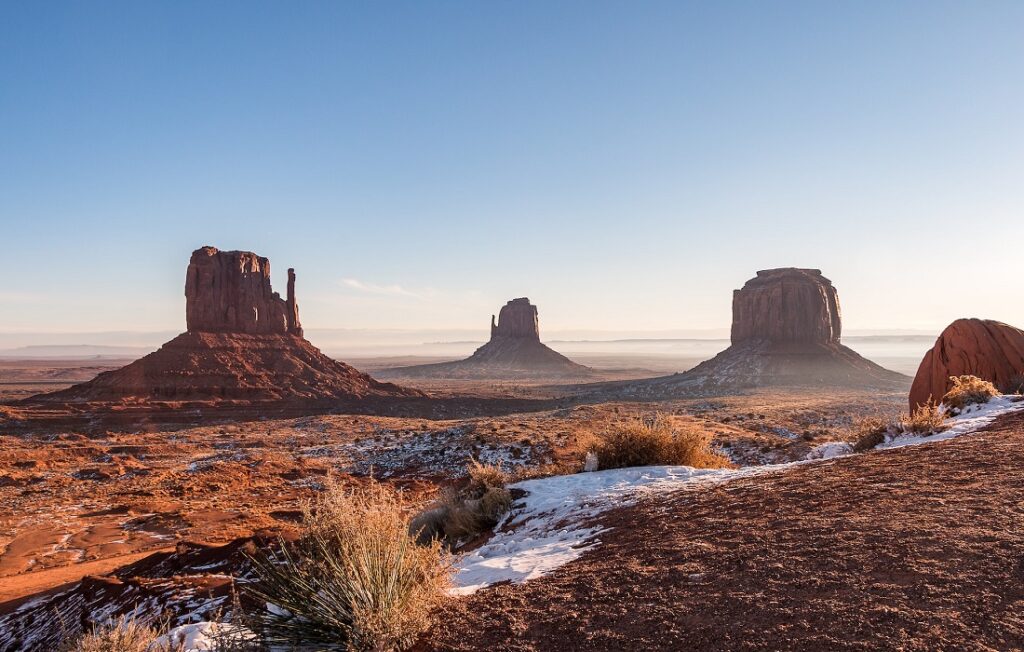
column 968, row 390
column 925, row 420
column 122, row 635
column 654, row 441
column 357, row 578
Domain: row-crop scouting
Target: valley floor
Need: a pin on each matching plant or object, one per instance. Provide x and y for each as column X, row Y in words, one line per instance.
column 918, row 548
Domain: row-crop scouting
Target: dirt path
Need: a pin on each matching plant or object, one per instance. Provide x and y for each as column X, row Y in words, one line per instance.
column 920, row 548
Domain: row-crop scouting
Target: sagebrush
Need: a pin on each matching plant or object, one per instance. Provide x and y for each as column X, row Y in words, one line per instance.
column 926, row 419
column 655, row 441
column 356, row 579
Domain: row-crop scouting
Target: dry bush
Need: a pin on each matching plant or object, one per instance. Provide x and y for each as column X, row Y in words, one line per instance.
column 1015, row 385
column 968, row 390
column 356, row 579
column 925, row 420
column 870, row 432
column 462, row 514
column 123, row 635
column 653, row 441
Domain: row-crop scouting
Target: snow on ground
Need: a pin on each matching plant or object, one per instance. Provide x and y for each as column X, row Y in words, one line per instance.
column 973, row 417
column 553, row 524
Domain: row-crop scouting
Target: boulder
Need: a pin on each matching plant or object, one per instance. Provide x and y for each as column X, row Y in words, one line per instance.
column 988, row 349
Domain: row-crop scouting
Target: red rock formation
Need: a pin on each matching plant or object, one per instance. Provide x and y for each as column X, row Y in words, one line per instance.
column 229, row 292
column 785, row 332
column 988, row 349
column 244, row 345
column 517, row 318
column 786, row 305
column 514, row 351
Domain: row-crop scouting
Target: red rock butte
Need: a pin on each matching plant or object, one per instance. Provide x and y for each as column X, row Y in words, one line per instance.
column 786, row 327
column 244, row 344
column 514, row 351
column 988, row 349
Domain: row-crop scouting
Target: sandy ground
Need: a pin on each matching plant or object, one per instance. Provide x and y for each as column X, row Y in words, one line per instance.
column 918, row 548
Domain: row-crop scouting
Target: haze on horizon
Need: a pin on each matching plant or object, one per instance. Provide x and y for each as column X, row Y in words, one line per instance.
column 420, row 164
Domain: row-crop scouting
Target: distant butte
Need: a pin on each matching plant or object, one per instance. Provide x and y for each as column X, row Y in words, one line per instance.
column 786, row 329
column 244, row 346
column 513, row 352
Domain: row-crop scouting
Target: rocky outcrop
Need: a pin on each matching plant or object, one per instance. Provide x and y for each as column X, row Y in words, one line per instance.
column 229, row 292
column 787, row 305
column 513, row 352
column 518, row 319
column 243, row 346
column 988, row 349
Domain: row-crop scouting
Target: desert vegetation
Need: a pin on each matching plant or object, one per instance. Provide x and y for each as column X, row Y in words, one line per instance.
column 656, row 441
column 356, row 579
column 462, row 514
column 968, row 390
column 121, row 635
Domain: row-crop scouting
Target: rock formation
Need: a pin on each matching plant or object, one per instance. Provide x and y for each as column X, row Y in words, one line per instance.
column 243, row 345
column 988, row 349
column 788, row 305
column 785, row 332
column 517, row 318
column 229, row 292
column 514, row 351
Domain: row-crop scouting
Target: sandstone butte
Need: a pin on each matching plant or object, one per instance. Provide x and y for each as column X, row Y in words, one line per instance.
column 988, row 349
column 513, row 351
column 243, row 344
column 786, row 329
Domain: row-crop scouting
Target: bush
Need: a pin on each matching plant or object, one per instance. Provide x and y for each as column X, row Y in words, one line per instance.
column 968, row 390
column 460, row 515
column 653, row 441
column 356, row 579
column 925, row 420
column 870, row 432
column 123, row 635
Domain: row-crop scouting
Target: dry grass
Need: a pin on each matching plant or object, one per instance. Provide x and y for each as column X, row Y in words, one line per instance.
column 870, row 432
column 461, row 515
column 123, row 635
column 357, row 579
column 968, row 390
column 926, row 419
column 654, row 441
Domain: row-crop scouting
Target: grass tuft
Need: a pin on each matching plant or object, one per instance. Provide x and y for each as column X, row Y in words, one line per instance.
column 926, row 419
column 357, row 579
column 968, row 390
column 122, row 635
column 462, row 514
column 654, row 441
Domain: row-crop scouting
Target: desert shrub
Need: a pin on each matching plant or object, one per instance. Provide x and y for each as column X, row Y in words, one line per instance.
column 870, row 432
column 122, row 635
column 356, row 579
column 462, row 514
column 653, row 441
column 968, row 390
column 926, row 419
column 1015, row 385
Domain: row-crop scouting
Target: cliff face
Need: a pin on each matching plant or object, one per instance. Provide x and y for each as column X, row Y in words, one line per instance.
column 229, row 292
column 517, row 318
column 988, row 349
column 787, row 306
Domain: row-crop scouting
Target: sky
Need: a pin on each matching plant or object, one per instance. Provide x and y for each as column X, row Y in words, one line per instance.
column 625, row 165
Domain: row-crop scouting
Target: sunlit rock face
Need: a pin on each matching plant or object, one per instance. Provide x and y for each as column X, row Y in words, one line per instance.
column 229, row 292
column 787, row 305
column 988, row 349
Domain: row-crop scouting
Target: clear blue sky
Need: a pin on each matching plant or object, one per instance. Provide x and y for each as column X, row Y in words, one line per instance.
column 626, row 165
